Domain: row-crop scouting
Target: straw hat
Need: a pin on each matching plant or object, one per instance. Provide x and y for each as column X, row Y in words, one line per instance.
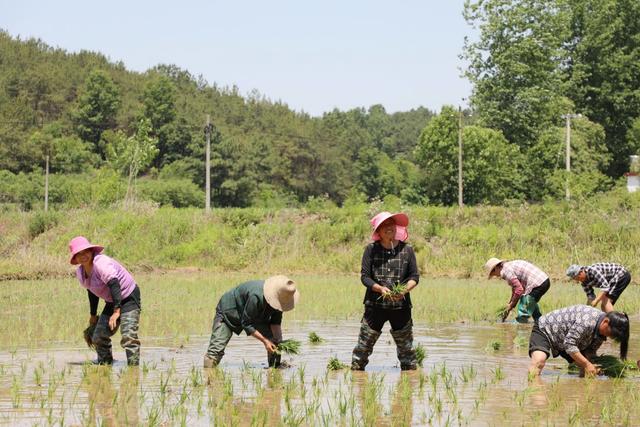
column 491, row 264
column 79, row 244
column 281, row 293
column 401, row 220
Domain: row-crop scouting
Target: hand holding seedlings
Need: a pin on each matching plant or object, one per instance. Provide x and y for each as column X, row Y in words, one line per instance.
column 270, row 346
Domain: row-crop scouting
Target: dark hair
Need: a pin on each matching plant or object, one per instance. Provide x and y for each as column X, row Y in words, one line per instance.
column 619, row 325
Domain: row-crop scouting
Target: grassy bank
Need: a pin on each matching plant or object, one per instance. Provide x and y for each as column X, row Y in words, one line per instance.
column 178, row 305
column 322, row 238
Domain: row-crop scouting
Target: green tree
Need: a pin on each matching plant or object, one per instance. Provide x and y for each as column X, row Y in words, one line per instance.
column 491, row 165
column 159, row 107
column 590, row 159
column 516, row 65
column 605, row 69
column 97, row 107
column 133, row 154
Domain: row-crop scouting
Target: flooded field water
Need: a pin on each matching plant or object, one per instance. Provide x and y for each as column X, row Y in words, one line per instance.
column 472, row 375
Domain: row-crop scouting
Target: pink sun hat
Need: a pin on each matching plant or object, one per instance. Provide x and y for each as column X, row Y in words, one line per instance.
column 401, row 219
column 79, row 244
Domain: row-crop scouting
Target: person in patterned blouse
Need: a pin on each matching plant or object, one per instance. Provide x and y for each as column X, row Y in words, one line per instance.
column 386, row 262
column 611, row 278
column 576, row 333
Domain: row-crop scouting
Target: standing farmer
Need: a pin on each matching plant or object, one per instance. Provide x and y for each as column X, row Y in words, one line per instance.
column 611, row 278
column 528, row 285
column 386, row 262
column 255, row 307
column 105, row 278
column 576, row 333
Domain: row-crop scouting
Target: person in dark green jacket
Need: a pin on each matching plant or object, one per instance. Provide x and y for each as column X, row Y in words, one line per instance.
column 256, row 308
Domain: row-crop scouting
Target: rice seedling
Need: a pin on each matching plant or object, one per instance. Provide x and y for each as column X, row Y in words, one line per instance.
column 335, row 364
column 289, row 346
column 394, row 291
column 611, row 366
column 314, row 338
column 520, row 341
column 421, row 354
column 87, row 334
column 493, row 346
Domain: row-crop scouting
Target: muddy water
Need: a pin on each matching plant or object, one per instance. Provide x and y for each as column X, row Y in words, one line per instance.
column 473, row 375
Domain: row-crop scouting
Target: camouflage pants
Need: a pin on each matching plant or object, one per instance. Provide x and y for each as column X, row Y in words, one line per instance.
column 404, row 344
column 363, row 349
column 221, row 335
column 128, row 324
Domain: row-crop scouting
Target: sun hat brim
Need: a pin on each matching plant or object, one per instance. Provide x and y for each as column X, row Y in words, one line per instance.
column 401, row 220
column 491, row 264
column 282, row 301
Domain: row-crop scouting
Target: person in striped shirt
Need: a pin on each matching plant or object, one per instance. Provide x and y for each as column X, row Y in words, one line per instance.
column 528, row 285
column 610, row 277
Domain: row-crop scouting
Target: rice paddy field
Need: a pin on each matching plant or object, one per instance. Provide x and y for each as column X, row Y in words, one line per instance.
column 474, row 371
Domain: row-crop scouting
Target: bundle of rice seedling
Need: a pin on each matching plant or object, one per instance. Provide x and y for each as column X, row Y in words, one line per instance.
column 88, row 334
column 335, row 364
column 421, row 354
column 501, row 314
column 493, row 346
column 289, row 347
column 315, row 338
column 394, row 291
column 610, row 366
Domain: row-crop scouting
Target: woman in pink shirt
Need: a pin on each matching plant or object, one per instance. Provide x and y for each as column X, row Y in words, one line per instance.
column 105, row 278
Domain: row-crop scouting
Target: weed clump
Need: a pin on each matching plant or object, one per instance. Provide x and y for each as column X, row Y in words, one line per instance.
column 315, row 338
column 289, row 347
column 335, row 364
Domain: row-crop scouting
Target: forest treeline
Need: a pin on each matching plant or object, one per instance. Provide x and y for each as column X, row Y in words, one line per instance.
column 111, row 133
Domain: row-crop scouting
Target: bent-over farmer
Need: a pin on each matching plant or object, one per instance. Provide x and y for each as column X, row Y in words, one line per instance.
column 387, row 261
column 528, row 285
column 576, row 333
column 106, row 278
column 610, row 277
column 256, row 308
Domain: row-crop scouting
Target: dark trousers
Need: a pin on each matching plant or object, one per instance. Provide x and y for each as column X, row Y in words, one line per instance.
column 376, row 317
column 538, row 293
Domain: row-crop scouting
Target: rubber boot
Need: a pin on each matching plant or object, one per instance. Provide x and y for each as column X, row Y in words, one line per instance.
column 273, row 360
column 366, row 340
column 404, row 344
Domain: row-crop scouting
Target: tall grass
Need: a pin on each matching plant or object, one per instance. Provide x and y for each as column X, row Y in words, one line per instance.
column 449, row 242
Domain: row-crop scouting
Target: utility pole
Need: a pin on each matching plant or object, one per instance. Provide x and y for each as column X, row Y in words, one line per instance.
column 46, row 183
column 207, row 134
column 568, row 118
column 460, row 203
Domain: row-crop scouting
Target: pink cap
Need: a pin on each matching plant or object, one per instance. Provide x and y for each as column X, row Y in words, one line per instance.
column 402, row 221
column 79, row 244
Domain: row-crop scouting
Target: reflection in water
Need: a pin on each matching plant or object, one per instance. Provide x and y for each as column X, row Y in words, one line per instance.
column 462, row 382
column 106, row 406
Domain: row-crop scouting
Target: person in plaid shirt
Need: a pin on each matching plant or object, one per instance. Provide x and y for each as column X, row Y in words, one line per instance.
column 387, row 262
column 528, row 285
column 611, row 278
column 576, row 333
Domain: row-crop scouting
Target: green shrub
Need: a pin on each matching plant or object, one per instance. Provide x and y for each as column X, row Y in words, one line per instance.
column 179, row 193
column 41, row 222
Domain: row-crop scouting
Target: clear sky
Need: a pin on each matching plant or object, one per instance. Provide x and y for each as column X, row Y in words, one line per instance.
column 312, row 55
